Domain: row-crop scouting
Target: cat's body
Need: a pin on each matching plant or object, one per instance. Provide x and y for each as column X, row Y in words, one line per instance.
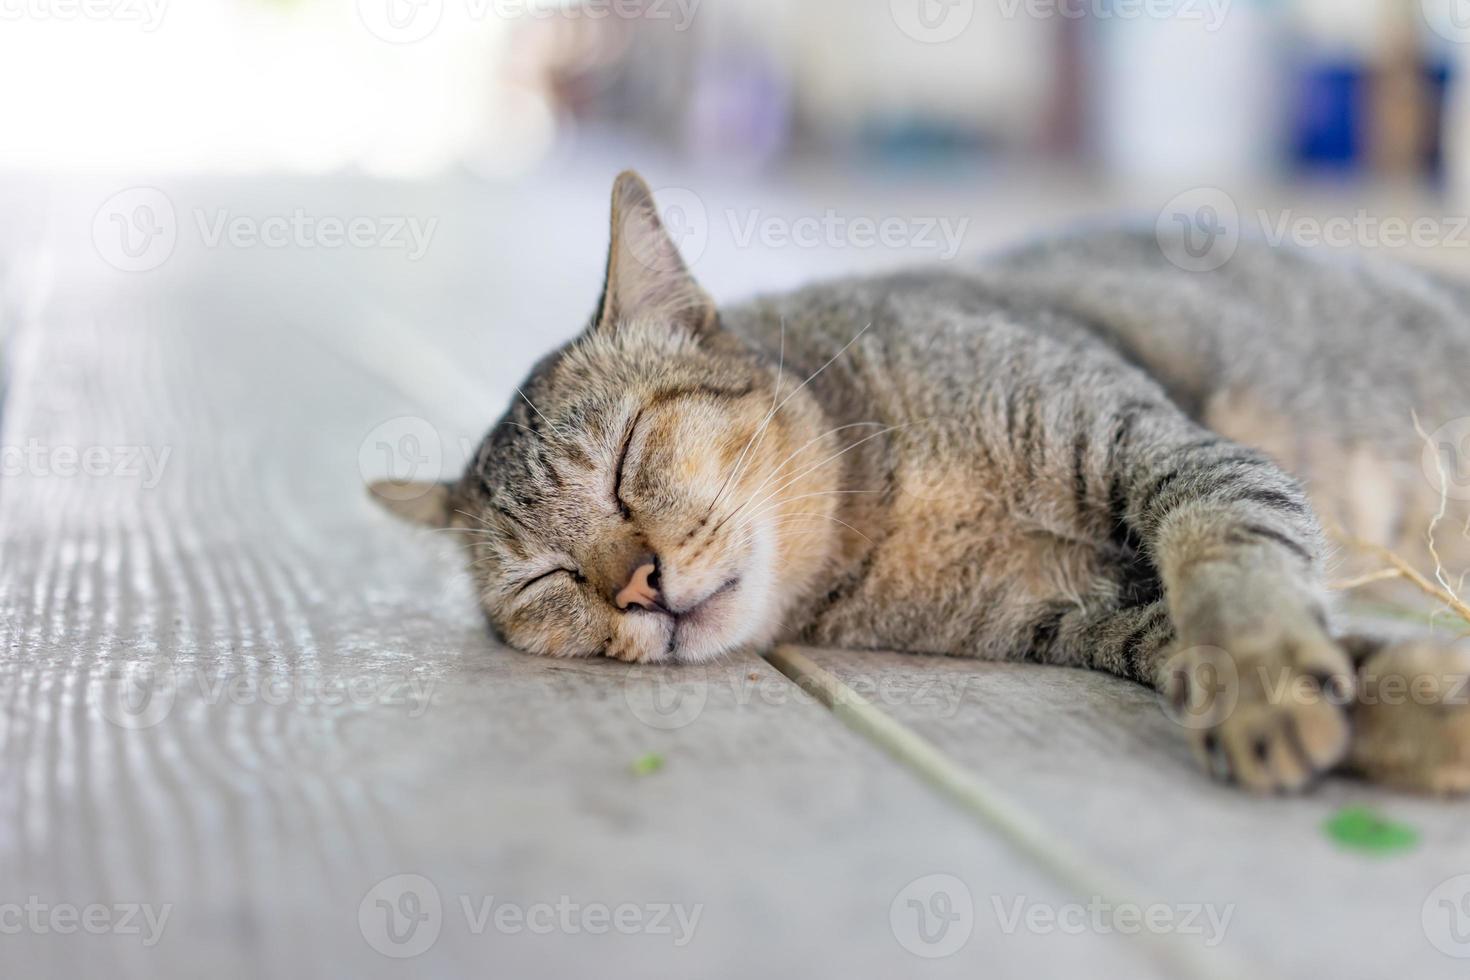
column 1075, row 454
column 1005, row 379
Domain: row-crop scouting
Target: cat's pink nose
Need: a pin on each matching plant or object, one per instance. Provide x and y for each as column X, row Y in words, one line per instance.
column 642, row 588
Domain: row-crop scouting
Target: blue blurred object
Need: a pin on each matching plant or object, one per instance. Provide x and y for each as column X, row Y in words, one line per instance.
column 1331, row 116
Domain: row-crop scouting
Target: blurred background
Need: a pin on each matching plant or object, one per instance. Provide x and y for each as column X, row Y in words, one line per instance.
column 786, row 140
column 472, row 143
column 1127, row 90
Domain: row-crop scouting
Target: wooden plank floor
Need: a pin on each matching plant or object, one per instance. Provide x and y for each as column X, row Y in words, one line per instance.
column 237, row 694
column 1099, row 764
column 325, row 714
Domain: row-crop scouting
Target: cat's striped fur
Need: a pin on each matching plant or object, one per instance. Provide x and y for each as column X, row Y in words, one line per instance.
column 1074, row 454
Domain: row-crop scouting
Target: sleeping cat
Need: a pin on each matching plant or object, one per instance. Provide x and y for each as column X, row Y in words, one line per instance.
column 1072, row 454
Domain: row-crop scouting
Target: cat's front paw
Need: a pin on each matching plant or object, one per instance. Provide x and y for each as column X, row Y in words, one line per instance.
column 1270, row 711
column 1411, row 722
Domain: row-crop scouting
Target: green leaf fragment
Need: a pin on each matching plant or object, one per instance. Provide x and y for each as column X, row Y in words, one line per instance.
column 647, row 765
column 1359, row 828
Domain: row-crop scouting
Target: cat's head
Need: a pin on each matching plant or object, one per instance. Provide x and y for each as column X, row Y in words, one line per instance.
column 639, row 498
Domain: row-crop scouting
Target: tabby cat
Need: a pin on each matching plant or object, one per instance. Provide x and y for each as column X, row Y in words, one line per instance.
column 1075, row 454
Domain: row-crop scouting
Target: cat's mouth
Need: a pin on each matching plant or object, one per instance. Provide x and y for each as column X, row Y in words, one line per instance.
column 698, row 630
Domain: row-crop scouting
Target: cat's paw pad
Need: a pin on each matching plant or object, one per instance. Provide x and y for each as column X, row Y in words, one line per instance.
column 1411, row 723
column 1272, row 715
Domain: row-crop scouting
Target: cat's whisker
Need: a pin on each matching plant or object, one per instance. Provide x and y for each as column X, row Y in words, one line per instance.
column 760, row 429
column 808, row 381
column 783, row 501
column 477, row 517
column 787, row 461
column 809, row 469
column 549, row 423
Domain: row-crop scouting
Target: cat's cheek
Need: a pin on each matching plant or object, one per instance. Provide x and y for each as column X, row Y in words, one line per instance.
column 641, row 638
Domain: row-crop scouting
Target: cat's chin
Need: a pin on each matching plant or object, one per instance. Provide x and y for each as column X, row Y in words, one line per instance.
column 732, row 619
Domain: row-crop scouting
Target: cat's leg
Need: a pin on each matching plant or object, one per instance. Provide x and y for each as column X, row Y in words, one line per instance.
column 1237, row 550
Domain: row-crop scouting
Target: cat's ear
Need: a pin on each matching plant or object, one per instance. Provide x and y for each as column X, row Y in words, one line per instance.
column 646, row 277
column 418, row 502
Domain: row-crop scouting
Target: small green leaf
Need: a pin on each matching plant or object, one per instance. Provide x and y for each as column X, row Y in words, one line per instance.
column 1358, row 828
column 647, row 765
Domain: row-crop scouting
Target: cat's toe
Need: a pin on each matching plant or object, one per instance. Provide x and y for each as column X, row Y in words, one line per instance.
column 1269, row 748
column 1412, row 718
column 1272, row 718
